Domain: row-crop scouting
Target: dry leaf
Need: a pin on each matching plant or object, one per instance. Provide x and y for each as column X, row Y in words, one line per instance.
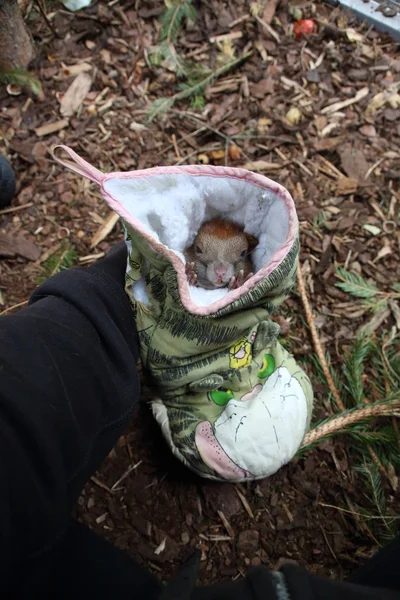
column 353, row 161
column 320, row 123
column 262, row 88
column 368, row 130
column 17, row 245
column 75, row 94
column 383, row 252
column 269, row 11
column 51, row 127
column 346, row 186
column 375, row 322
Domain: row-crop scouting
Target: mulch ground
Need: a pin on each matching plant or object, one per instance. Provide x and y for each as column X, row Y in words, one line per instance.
column 338, row 153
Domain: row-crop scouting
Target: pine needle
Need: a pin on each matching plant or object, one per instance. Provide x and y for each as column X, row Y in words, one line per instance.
column 63, row 259
column 354, row 284
column 354, row 364
column 373, row 298
column 22, row 78
column 190, row 89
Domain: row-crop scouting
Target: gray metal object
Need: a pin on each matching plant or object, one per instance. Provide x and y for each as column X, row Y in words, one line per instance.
column 383, row 14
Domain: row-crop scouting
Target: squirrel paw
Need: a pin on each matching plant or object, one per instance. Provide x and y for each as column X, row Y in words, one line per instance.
column 239, row 280
column 191, row 274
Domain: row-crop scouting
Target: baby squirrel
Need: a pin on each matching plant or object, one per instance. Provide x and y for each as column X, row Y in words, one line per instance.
column 219, row 256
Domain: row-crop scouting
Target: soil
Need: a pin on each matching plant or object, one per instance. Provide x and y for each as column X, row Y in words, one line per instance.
column 342, row 167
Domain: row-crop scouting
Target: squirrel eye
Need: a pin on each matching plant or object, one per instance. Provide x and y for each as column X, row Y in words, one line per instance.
column 199, row 250
column 243, row 254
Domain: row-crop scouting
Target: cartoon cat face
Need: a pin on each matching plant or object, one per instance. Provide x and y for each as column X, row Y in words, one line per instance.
column 262, row 431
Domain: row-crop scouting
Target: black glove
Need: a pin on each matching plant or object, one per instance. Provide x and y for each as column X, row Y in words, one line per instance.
column 292, row 583
column 7, row 182
column 259, row 584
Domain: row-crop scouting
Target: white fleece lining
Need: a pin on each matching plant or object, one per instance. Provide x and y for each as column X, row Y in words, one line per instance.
column 172, row 207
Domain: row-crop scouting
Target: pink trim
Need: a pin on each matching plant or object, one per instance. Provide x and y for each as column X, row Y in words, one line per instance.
column 209, row 171
column 84, row 168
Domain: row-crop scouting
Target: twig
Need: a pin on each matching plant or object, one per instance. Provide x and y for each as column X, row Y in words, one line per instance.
column 216, row 131
column 12, row 209
column 270, row 30
column 243, row 500
column 342, row 421
column 49, row 25
column 327, row 542
column 339, row 105
column 379, row 464
column 226, row 524
column 4, row 312
column 100, row 484
column 125, row 475
column 350, row 512
column 315, row 339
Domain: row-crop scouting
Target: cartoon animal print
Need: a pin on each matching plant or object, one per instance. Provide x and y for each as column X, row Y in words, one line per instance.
column 268, row 366
column 240, row 354
column 250, row 437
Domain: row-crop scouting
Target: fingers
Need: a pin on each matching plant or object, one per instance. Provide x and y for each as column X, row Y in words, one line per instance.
column 232, row 283
column 191, row 274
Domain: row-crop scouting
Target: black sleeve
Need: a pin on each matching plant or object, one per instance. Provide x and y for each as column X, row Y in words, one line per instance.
column 302, row 586
column 68, row 385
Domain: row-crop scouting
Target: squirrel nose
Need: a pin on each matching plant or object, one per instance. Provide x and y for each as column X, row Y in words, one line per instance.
column 220, row 270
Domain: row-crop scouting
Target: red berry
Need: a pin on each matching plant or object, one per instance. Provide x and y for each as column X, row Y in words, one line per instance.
column 304, row 27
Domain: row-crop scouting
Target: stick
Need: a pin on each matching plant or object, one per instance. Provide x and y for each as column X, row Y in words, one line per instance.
column 343, row 421
column 12, row 209
column 4, row 312
column 316, row 342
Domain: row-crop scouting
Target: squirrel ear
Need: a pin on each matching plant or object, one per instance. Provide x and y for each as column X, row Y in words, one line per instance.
column 252, row 241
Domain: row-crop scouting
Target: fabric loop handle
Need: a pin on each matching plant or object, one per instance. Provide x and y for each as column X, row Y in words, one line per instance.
column 79, row 165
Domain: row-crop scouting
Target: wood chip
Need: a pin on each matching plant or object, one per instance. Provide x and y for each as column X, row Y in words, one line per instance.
column 329, row 143
column 269, row 29
column 161, row 547
column 51, row 127
column 262, row 165
column 72, row 70
column 101, row 518
column 75, row 94
column 245, row 503
column 346, row 186
column 105, row 229
column 332, row 108
column 226, row 524
column 17, row 245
